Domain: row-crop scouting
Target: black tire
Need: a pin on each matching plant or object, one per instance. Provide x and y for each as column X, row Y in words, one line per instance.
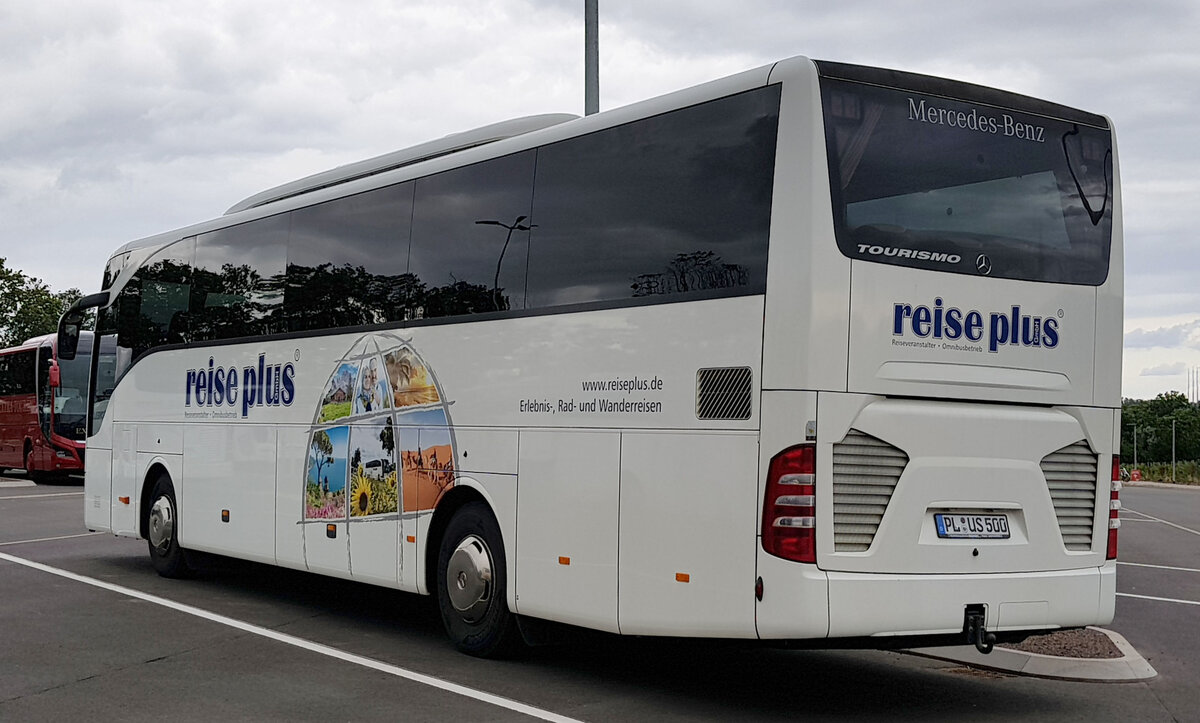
column 472, row 585
column 162, row 532
column 33, row 475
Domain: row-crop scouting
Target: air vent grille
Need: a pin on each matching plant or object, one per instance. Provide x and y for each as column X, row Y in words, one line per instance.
column 724, row 393
column 1071, row 477
column 865, row 473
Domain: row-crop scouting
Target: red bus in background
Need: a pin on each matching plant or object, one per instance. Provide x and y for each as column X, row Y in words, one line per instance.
column 43, row 408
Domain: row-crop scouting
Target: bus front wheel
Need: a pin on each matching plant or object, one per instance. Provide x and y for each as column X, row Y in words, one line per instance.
column 162, row 532
column 472, row 585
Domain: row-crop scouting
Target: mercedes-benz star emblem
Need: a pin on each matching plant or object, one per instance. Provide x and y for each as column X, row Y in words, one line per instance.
column 983, row 264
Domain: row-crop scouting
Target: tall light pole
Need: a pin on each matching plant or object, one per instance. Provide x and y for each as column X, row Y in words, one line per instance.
column 516, row 226
column 591, row 57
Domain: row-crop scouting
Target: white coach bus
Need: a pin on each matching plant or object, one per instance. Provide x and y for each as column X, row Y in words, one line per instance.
column 816, row 352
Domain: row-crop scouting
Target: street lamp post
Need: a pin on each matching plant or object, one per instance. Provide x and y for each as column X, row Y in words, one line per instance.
column 516, row 226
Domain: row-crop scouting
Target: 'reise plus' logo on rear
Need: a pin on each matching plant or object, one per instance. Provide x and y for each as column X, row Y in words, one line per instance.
column 940, row 322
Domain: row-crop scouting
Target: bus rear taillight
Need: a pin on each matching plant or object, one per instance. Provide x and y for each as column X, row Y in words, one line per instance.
column 1114, row 509
column 789, row 508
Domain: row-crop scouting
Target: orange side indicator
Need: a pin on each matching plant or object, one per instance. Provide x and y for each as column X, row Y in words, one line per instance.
column 564, row 560
column 682, row 577
column 123, row 500
column 412, row 538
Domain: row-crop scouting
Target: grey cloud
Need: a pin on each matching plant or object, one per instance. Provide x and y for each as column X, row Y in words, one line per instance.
column 1180, row 335
column 1164, row 370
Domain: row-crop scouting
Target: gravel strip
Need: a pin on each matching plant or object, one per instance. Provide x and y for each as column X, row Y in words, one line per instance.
column 1078, row 643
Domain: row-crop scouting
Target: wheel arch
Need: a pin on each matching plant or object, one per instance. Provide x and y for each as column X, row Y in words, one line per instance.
column 454, row 498
column 156, row 469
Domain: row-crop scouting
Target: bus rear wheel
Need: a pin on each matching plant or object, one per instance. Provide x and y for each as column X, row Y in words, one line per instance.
column 472, row 585
column 33, row 474
column 162, row 532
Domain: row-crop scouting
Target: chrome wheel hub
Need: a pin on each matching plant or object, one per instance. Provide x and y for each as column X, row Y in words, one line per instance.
column 469, row 578
column 162, row 524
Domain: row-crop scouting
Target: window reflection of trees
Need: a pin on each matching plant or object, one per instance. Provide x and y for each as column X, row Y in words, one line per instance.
column 329, row 297
column 658, row 209
column 696, row 271
column 234, row 302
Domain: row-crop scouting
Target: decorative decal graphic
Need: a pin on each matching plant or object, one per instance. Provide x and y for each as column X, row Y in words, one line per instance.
column 411, row 384
column 372, row 393
column 427, row 458
column 336, row 402
column 325, row 483
column 382, row 442
column 373, row 476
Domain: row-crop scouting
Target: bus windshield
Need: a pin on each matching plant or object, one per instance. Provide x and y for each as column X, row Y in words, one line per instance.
column 70, row 397
column 110, row 364
column 931, row 182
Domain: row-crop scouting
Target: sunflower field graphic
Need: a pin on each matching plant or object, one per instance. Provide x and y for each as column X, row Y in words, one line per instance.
column 381, row 441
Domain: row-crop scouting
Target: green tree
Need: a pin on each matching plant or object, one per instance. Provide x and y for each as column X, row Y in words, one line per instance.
column 1153, row 419
column 28, row 307
column 323, row 446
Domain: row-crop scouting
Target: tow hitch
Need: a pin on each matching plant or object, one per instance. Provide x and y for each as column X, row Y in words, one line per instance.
column 977, row 634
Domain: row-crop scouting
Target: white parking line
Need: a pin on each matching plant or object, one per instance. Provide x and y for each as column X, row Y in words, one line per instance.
column 50, row 539
column 1165, row 522
column 1149, row 597
column 301, row 643
column 34, row 497
column 1159, row 567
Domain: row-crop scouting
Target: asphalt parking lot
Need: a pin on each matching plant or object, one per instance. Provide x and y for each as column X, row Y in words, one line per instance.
column 91, row 630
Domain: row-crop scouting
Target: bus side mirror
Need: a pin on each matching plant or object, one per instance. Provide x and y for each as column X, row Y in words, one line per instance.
column 68, row 335
column 55, row 374
column 72, row 321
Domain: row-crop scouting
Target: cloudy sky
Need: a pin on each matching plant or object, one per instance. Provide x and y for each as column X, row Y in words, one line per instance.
column 124, row 118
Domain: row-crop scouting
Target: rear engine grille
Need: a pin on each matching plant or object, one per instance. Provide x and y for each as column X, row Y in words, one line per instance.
column 865, row 472
column 1071, row 476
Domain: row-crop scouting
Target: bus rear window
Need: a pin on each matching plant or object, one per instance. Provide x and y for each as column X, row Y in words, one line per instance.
column 925, row 181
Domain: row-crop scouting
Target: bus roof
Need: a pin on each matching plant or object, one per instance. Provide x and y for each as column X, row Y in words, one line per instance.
column 406, row 157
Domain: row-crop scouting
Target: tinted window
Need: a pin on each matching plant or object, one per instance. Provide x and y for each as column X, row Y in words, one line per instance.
column 668, row 208
column 114, row 267
column 469, row 251
column 153, row 306
column 671, row 207
column 17, row 373
column 926, row 181
column 239, row 280
column 347, row 261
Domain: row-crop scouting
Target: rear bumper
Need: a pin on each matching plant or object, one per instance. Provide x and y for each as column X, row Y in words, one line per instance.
column 878, row 605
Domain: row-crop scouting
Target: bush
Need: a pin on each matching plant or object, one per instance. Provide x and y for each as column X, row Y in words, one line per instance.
column 1187, row 473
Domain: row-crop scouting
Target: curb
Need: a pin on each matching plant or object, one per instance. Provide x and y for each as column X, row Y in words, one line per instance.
column 1160, row 485
column 1130, row 667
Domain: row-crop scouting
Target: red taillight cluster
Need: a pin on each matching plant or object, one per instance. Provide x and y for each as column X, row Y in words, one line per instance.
column 1114, row 509
column 789, row 508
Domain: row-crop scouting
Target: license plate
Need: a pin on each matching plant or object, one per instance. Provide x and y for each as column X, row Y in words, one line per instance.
column 972, row 526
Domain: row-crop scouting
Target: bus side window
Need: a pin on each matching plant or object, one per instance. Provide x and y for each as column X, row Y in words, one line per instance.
column 347, row 261
column 468, row 247
column 239, row 280
column 668, row 206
